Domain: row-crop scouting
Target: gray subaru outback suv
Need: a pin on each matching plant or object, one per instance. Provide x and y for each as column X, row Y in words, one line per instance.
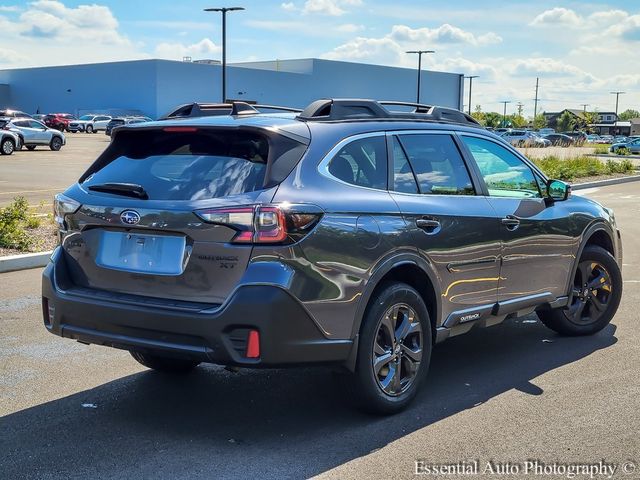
column 354, row 233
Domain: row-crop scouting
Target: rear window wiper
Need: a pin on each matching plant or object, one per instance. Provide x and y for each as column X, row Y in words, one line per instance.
column 126, row 189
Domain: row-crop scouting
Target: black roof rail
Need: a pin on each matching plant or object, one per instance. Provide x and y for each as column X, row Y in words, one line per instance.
column 364, row 109
column 196, row 109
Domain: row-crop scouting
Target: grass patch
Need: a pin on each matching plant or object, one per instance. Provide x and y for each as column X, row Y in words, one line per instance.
column 15, row 223
column 579, row 167
column 602, row 149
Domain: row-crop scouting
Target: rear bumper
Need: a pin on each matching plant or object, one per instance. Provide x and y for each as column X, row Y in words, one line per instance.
column 288, row 335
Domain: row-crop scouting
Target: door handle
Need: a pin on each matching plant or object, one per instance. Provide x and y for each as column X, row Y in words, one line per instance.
column 510, row 222
column 429, row 226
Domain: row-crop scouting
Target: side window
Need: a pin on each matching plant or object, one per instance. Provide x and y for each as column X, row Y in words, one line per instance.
column 503, row 172
column 437, row 164
column 403, row 178
column 362, row 162
column 34, row 124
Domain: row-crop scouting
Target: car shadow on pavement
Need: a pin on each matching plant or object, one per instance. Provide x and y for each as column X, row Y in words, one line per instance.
column 266, row 424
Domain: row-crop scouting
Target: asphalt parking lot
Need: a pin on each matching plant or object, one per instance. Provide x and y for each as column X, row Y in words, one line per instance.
column 40, row 174
column 510, row 393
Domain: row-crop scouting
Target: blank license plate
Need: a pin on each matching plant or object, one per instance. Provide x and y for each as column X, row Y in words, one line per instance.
column 141, row 253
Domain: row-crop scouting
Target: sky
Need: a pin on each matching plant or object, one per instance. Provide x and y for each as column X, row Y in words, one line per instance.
column 580, row 50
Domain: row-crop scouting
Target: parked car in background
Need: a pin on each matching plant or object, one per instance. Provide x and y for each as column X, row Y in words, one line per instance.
column 523, row 138
column 38, row 116
column 620, row 139
column 89, row 123
column 34, row 133
column 592, row 138
column 559, row 139
column 604, row 139
column 579, row 138
column 546, row 131
column 119, row 121
column 9, row 140
column 632, row 145
column 14, row 113
column 59, row 121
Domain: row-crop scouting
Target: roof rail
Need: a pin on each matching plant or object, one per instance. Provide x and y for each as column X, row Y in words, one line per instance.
column 235, row 108
column 363, row 109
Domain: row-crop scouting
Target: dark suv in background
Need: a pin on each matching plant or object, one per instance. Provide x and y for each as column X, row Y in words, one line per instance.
column 354, row 233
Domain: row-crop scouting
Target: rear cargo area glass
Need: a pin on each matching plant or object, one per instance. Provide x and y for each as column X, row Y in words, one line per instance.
column 186, row 165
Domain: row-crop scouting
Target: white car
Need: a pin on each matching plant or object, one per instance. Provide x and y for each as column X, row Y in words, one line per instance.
column 9, row 140
column 34, row 133
column 525, row 138
column 89, row 123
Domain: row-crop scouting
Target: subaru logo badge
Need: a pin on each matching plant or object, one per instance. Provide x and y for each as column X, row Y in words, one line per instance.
column 130, row 217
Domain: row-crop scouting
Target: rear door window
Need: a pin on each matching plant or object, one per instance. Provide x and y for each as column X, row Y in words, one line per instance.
column 437, row 164
column 187, row 165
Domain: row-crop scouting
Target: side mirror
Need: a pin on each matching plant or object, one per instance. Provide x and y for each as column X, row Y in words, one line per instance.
column 558, row 190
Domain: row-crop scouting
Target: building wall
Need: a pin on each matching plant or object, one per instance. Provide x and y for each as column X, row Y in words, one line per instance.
column 154, row 87
column 5, row 94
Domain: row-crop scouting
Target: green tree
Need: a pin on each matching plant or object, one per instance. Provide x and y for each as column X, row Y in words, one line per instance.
column 516, row 120
column 566, row 122
column 629, row 114
column 540, row 121
column 478, row 114
column 492, row 119
column 590, row 118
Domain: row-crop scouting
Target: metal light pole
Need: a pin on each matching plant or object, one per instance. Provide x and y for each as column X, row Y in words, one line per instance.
column 470, row 77
column 615, row 120
column 504, row 114
column 224, row 11
column 420, row 52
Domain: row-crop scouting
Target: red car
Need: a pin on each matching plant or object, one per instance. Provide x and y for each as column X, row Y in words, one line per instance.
column 59, row 121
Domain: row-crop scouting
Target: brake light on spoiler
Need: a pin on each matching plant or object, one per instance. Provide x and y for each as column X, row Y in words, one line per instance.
column 283, row 223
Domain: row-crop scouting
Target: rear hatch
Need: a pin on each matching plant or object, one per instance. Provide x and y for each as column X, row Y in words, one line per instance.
column 139, row 229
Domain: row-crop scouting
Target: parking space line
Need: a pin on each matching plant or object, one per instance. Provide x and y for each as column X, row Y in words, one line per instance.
column 35, row 191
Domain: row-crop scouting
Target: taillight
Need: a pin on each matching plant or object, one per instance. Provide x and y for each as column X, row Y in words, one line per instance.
column 62, row 206
column 265, row 223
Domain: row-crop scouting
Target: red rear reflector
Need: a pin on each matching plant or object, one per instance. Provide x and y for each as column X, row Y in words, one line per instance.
column 253, row 344
column 179, row 129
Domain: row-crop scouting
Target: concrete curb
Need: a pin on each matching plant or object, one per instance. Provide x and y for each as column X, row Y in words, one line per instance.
column 605, row 183
column 25, row 261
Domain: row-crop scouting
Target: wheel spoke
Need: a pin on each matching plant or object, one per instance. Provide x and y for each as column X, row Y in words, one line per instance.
column 396, row 384
column 379, row 349
column 414, row 355
column 388, row 382
column 597, row 304
column 388, row 324
column 577, row 308
column 407, row 328
column 381, row 361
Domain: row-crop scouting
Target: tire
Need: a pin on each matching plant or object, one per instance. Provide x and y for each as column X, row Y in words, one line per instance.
column 88, row 129
column 381, row 340
column 31, row 148
column 164, row 364
column 56, row 143
column 7, row 147
column 588, row 313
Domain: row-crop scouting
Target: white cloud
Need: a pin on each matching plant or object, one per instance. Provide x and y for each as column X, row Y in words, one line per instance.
column 9, row 57
column 334, row 8
column 557, row 16
column 627, row 29
column 549, row 67
column 349, row 28
column 9, row 8
column 52, row 19
column 205, row 48
column 444, row 34
column 288, row 6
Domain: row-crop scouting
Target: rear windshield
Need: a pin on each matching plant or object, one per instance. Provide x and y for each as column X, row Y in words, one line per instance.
column 185, row 165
